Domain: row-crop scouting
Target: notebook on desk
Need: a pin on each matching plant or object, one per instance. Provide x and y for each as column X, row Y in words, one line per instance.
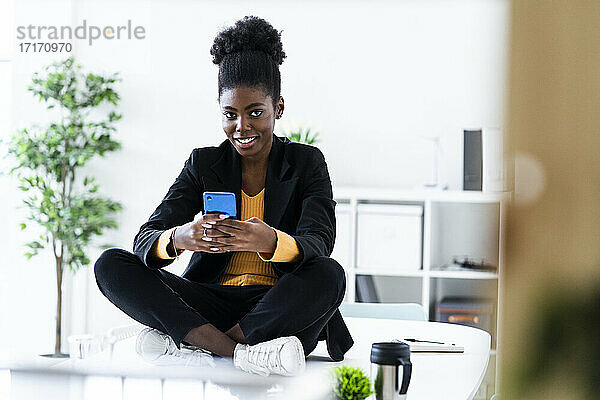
column 427, row 346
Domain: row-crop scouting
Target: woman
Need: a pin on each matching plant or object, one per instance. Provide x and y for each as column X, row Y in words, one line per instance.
column 260, row 289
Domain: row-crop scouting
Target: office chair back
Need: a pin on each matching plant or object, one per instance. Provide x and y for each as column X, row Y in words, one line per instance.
column 405, row 311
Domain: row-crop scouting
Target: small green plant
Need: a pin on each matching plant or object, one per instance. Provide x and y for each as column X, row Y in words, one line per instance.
column 302, row 135
column 48, row 158
column 350, row 383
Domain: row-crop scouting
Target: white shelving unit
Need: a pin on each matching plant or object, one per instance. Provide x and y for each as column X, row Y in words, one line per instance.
column 454, row 224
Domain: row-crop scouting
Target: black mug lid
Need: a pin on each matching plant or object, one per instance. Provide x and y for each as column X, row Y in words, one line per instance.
column 390, row 353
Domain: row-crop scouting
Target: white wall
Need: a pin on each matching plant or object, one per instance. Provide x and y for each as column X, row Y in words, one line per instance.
column 373, row 77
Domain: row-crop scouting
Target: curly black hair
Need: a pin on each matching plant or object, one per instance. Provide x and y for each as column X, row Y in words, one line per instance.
column 249, row 54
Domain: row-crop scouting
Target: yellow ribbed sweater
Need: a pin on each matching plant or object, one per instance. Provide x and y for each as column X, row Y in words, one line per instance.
column 248, row 267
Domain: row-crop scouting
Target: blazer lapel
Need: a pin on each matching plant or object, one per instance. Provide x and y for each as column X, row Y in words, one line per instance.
column 227, row 177
column 278, row 187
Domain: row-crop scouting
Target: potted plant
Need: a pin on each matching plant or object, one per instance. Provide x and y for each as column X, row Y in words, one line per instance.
column 301, row 135
column 350, row 383
column 47, row 161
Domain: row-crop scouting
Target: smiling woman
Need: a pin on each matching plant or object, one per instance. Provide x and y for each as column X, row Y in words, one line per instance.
column 262, row 289
column 248, row 122
column 249, row 84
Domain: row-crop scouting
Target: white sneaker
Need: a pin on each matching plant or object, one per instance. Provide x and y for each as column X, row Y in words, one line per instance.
column 282, row 356
column 158, row 348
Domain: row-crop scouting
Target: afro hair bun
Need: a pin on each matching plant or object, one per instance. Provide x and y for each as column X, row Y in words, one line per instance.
column 249, row 33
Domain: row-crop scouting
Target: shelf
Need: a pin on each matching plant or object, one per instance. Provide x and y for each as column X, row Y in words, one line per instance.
column 451, row 224
column 387, row 272
column 383, row 194
column 463, row 274
column 431, row 274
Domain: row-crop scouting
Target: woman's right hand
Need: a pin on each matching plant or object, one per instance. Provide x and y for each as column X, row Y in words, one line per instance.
column 189, row 236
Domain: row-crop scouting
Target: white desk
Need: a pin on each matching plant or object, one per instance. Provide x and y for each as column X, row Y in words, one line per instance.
column 435, row 375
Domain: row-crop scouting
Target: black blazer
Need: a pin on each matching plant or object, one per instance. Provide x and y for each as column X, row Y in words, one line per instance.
column 298, row 201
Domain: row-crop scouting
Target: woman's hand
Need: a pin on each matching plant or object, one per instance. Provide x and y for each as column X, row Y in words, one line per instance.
column 230, row 234
column 190, row 235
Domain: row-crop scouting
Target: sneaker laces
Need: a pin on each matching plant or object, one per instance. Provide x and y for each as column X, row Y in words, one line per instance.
column 170, row 344
column 195, row 348
column 171, row 347
column 266, row 356
column 200, row 358
column 191, row 356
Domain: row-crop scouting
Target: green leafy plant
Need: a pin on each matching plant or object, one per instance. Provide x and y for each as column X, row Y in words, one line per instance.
column 350, row 383
column 302, row 135
column 47, row 160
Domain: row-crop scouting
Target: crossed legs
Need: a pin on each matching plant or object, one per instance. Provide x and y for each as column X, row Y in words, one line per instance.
column 217, row 317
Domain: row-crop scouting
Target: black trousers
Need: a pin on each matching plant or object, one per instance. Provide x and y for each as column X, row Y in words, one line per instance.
column 299, row 304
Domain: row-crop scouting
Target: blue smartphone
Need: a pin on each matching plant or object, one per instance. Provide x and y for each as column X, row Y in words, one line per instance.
column 219, row 202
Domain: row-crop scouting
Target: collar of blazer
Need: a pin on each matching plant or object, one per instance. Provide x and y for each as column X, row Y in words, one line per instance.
column 279, row 186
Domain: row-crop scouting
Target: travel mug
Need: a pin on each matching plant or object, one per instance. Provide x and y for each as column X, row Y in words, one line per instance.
column 386, row 360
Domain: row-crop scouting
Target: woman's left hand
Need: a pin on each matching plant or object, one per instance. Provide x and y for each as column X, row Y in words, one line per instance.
column 250, row 235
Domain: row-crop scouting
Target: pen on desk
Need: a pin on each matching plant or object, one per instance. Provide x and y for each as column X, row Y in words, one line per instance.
column 424, row 341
